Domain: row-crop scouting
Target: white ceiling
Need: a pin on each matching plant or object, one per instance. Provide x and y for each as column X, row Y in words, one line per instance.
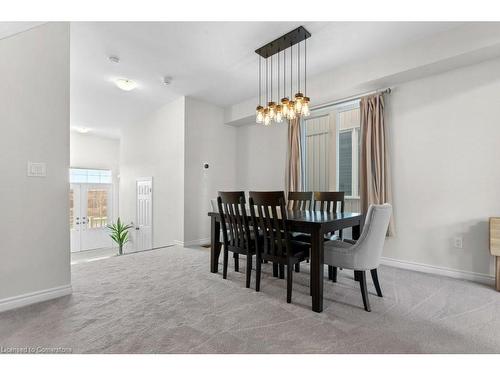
column 213, row 61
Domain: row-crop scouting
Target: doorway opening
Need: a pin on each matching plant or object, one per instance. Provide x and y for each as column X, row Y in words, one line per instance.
column 90, row 209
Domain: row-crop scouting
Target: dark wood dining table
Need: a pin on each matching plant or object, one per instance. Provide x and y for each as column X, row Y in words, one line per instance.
column 315, row 223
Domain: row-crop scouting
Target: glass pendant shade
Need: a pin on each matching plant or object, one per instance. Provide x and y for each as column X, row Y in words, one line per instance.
column 284, row 106
column 272, row 109
column 279, row 114
column 259, row 114
column 305, row 107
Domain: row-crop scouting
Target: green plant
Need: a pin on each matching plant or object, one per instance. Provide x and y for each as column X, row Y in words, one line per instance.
column 119, row 234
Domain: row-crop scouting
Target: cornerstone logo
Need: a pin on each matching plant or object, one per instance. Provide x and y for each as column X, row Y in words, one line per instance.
column 33, row 350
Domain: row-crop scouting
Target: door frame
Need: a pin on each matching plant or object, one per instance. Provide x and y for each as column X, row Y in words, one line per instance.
column 139, row 179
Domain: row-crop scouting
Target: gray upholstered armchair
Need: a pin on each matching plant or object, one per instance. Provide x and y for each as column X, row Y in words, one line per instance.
column 365, row 253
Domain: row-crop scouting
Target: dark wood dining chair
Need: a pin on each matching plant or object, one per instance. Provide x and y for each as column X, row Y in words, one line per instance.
column 272, row 238
column 236, row 233
column 330, row 201
column 300, row 200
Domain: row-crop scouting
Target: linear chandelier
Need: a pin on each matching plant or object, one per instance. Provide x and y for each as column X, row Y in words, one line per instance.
column 277, row 55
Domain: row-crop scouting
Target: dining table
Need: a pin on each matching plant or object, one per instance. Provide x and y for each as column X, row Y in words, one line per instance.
column 315, row 223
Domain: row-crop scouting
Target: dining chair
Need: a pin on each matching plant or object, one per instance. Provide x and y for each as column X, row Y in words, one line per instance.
column 364, row 254
column 300, row 200
column 272, row 238
column 236, row 234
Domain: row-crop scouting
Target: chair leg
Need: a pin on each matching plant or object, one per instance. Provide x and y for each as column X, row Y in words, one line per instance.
column 376, row 282
column 224, row 265
column 289, row 283
column 275, row 269
column 297, row 267
column 282, row 271
column 330, row 273
column 334, row 274
column 236, row 262
column 257, row 274
column 249, row 270
column 361, row 276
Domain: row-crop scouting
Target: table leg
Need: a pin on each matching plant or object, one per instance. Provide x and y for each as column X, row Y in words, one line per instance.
column 215, row 245
column 497, row 273
column 316, row 270
column 356, row 231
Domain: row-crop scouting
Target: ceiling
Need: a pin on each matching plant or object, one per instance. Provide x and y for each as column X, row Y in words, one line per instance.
column 212, row 61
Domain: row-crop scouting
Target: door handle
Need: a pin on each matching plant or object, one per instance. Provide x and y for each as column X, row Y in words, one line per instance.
column 137, row 228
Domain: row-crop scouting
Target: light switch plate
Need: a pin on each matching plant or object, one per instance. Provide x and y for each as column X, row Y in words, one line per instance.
column 37, row 169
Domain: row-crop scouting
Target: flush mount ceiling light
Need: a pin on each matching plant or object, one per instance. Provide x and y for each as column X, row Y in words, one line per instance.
column 125, row 84
column 292, row 107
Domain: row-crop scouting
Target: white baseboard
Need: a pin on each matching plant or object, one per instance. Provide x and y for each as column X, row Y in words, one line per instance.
column 442, row 271
column 34, row 297
column 198, row 242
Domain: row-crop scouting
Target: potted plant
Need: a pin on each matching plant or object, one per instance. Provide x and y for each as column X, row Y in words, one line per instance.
column 119, row 234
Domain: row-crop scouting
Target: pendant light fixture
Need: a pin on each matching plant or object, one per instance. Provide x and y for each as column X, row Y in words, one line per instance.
column 287, row 107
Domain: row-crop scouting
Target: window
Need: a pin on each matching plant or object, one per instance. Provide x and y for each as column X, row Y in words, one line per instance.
column 331, row 149
column 97, row 208
column 89, row 176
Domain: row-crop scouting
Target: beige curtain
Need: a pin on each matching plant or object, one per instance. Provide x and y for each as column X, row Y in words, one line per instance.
column 374, row 168
column 293, row 162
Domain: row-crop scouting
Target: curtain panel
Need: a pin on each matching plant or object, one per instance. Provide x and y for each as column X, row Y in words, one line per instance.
column 374, row 167
column 293, row 173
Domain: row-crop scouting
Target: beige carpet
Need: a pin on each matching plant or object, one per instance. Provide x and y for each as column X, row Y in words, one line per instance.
column 167, row 301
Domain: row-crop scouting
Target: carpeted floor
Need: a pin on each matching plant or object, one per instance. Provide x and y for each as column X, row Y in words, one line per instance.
column 167, row 301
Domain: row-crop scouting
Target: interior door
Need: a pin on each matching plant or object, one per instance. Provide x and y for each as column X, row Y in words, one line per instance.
column 144, row 220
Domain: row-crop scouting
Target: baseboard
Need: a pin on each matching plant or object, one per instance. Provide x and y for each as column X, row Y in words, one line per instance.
column 198, row 242
column 442, row 271
column 34, row 297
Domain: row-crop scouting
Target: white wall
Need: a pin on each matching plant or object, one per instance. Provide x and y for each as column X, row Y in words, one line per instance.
column 445, row 140
column 90, row 151
column 34, row 123
column 445, row 152
column 154, row 147
column 208, row 140
column 261, row 157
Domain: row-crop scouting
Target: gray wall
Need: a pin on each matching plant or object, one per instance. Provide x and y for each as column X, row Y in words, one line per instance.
column 34, row 125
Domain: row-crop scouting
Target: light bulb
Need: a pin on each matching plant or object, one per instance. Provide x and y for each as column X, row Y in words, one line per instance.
column 305, row 110
column 279, row 114
column 298, row 106
column 284, row 106
column 259, row 112
column 305, row 107
column 291, row 110
column 267, row 119
column 272, row 109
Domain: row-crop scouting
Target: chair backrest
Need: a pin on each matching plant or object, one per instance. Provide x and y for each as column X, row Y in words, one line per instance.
column 300, row 200
column 329, row 200
column 371, row 242
column 233, row 218
column 268, row 212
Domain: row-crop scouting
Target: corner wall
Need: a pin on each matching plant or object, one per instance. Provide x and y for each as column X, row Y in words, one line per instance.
column 208, row 140
column 34, row 121
column 154, row 147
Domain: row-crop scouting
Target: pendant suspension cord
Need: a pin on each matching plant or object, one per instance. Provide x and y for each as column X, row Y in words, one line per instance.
column 267, row 97
column 272, row 78
column 298, row 66
column 305, row 67
column 278, row 78
column 260, row 80
column 291, row 72
column 284, row 73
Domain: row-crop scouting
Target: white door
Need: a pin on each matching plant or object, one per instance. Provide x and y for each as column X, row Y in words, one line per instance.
column 144, row 219
column 90, row 213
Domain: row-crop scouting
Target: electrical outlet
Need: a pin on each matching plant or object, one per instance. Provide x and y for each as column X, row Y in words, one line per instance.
column 458, row 242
